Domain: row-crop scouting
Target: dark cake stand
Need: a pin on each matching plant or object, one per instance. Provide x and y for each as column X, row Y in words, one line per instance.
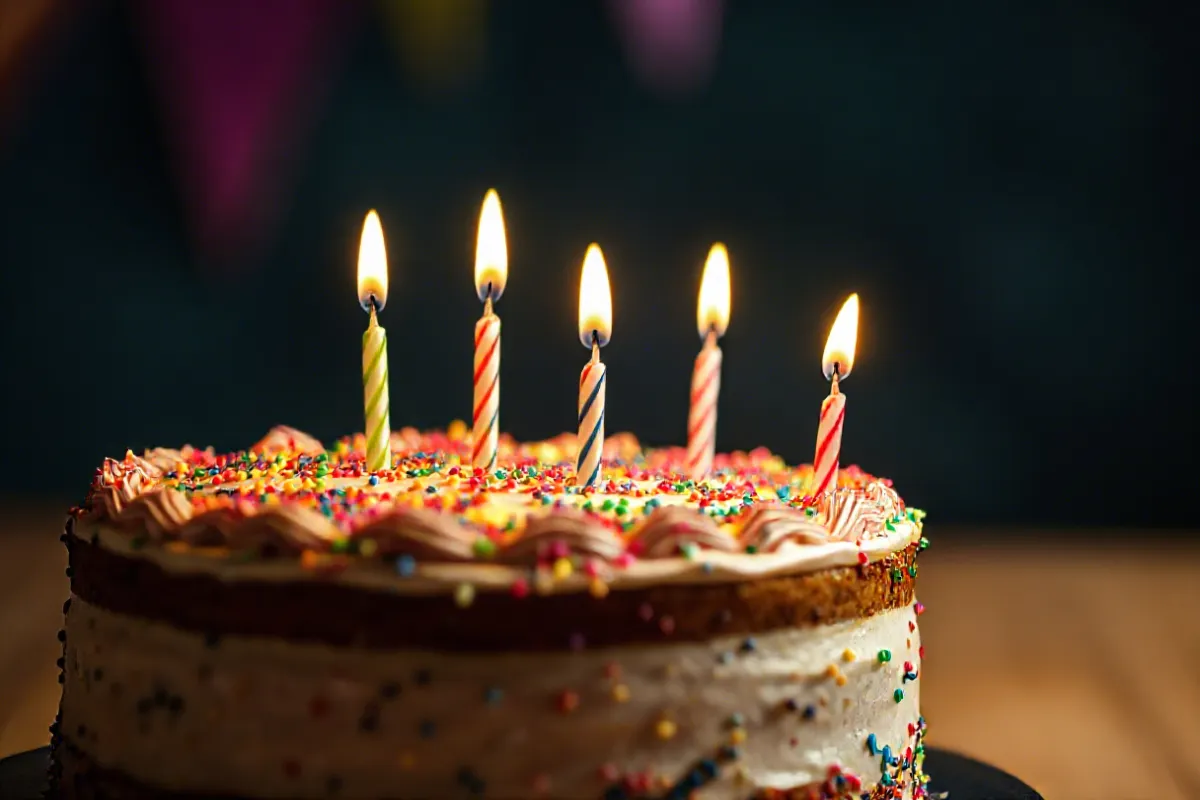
column 23, row 777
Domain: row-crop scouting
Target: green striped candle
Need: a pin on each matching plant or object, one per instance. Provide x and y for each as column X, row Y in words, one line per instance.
column 375, row 396
column 372, row 295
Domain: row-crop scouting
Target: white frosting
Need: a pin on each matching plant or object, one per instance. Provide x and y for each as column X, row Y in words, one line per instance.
column 250, row 707
column 709, row 566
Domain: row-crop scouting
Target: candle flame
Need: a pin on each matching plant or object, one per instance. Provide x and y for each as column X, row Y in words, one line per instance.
column 491, row 249
column 843, row 338
column 595, row 299
column 712, row 310
column 372, row 264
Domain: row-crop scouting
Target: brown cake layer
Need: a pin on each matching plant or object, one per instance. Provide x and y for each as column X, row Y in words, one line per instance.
column 321, row 610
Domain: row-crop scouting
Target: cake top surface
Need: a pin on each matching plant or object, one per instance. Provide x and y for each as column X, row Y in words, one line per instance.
column 289, row 496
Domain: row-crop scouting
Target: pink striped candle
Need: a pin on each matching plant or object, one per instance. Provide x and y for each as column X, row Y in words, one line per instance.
column 712, row 318
column 836, row 363
column 595, row 329
column 491, row 273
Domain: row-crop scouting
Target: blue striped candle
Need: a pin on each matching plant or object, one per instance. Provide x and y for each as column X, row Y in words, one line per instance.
column 591, row 420
column 595, row 329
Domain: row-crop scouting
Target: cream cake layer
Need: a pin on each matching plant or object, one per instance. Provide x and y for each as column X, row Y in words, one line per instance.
column 261, row 716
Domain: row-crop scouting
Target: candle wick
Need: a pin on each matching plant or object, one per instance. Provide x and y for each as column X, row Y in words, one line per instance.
column 595, row 347
column 710, row 339
column 374, row 304
column 487, row 301
column 834, row 388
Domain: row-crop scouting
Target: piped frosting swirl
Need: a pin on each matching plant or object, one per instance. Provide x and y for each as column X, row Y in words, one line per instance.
column 671, row 530
column 289, row 495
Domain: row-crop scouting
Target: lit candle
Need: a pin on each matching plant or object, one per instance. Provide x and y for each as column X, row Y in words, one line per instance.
column 595, row 329
column 372, row 295
column 491, row 273
column 836, row 362
column 712, row 318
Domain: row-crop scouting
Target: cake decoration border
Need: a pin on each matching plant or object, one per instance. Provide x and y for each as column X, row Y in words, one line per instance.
column 129, row 497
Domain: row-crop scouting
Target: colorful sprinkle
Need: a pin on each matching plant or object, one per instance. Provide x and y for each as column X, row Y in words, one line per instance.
column 567, row 701
column 464, row 595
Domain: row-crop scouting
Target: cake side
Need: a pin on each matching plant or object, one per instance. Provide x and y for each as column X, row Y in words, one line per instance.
column 178, row 711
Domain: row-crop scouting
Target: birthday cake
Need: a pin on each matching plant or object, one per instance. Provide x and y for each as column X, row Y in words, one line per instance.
column 279, row 622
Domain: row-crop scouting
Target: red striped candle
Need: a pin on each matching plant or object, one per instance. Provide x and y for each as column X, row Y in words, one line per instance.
column 829, row 441
column 491, row 273
column 486, row 413
column 836, row 363
column 712, row 318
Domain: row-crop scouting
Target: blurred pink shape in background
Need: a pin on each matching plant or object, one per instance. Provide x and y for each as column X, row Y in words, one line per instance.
column 237, row 81
column 671, row 44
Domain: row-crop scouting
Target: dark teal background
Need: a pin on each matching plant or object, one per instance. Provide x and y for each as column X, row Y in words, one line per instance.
column 1008, row 186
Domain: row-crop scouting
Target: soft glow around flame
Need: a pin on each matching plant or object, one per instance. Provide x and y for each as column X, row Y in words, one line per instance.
column 491, row 249
column 595, row 299
column 372, row 264
column 712, row 311
column 843, row 338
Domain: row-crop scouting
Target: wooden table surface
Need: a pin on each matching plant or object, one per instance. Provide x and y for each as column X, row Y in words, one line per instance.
column 1075, row 668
